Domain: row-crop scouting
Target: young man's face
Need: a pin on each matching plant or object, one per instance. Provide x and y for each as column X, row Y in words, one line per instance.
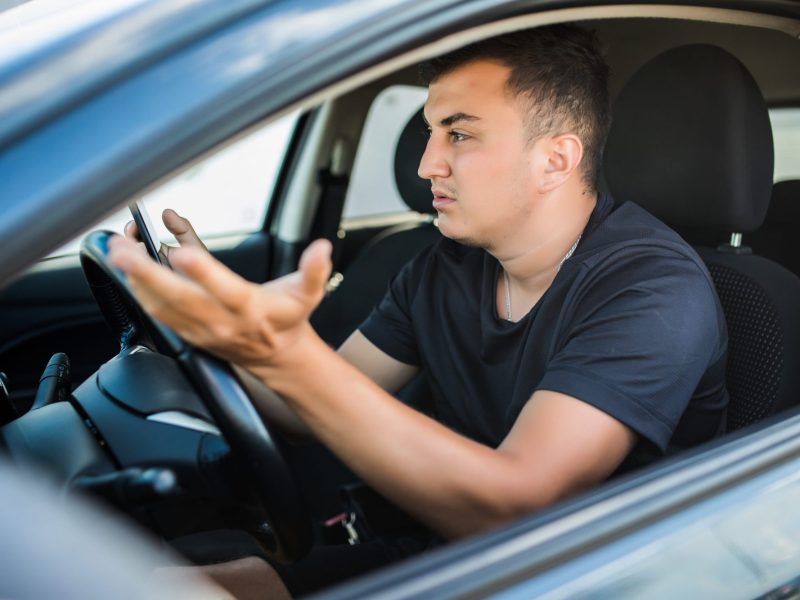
column 477, row 157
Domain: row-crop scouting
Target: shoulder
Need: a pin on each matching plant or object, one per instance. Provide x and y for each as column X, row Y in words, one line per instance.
column 630, row 243
column 627, row 224
column 634, row 261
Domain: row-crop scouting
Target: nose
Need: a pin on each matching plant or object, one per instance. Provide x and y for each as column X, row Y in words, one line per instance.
column 433, row 162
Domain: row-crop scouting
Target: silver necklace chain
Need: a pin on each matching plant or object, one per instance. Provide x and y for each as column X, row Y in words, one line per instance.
column 507, row 281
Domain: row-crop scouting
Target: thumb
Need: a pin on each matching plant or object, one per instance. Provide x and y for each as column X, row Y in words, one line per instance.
column 181, row 228
column 315, row 268
column 131, row 231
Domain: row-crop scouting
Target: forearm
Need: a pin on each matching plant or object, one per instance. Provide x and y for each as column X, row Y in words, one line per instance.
column 387, row 372
column 274, row 410
column 453, row 484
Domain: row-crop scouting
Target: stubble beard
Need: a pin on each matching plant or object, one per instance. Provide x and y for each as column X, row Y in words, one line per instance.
column 472, row 242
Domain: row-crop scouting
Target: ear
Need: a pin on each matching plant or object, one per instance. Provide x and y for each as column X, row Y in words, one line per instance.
column 562, row 155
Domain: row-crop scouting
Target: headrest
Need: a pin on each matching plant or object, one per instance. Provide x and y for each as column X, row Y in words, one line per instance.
column 415, row 191
column 691, row 141
column 784, row 207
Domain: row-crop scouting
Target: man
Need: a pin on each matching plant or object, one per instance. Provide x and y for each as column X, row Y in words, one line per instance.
column 565, row 338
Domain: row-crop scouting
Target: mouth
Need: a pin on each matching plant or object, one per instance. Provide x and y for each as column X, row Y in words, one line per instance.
column 441, row 199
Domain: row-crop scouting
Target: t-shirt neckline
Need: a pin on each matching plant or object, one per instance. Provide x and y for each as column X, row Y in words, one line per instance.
column 601, row 209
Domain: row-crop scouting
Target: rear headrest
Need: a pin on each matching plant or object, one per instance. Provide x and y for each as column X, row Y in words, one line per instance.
column 415, row 191
column 691, row 141
column 784, row 207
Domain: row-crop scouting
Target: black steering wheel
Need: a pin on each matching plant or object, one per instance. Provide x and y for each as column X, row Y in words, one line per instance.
column 286, row 533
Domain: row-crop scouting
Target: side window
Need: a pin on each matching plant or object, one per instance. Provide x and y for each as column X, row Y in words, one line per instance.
column 226, row 193
column 786, row 135
column 372, row 190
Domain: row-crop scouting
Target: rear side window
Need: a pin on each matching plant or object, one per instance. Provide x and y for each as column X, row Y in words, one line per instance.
column 372, row 190
column 786, row 135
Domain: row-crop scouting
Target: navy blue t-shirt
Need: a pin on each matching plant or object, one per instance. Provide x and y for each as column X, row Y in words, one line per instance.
column 631, row 325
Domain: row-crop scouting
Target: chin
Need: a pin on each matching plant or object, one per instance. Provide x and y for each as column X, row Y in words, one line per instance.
column 457, row 232
column 464, row 239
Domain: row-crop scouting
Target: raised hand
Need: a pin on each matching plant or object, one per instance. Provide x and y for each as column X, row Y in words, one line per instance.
column 213, row 308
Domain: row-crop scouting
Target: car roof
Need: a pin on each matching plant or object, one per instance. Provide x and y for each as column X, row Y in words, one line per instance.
column 50, row 60
column 34, row 23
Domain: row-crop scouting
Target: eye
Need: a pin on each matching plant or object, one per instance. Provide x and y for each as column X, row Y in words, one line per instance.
column 457, row 136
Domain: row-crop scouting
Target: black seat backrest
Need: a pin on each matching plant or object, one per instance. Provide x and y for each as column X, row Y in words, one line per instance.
column 692, row 143
column 367, row 276
column 776, row 239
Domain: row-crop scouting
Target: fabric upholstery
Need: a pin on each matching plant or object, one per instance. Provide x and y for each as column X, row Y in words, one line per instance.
column 691, row 142
column 691, row 138
column 760, row 299
column 415, row 191
column 366, row 280
column 777, row 238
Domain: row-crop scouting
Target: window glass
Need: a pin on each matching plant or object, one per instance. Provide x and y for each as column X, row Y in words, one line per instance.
column 786, row 134
column 372, row 190
column 226, row 193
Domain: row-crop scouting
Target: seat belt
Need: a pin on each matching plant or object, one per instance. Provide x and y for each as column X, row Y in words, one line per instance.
column 333, row 181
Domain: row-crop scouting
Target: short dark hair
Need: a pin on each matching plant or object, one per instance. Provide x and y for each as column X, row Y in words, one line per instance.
column 560, row 74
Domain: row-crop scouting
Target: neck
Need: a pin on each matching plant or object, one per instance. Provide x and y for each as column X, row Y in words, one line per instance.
column 555, row 229
column 532, row 267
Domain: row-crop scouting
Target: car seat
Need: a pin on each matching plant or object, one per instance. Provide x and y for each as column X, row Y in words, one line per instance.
column 691, row 142
column 365, row 280
column 366, row 277
column 775, row 239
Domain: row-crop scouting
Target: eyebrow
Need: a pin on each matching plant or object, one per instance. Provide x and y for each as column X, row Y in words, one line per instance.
column 454, row 118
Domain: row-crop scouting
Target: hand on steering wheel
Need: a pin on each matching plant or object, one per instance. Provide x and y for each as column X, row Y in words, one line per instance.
column 212, row 308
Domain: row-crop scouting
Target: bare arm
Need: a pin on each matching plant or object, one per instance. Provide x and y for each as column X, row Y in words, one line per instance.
column 457, row 486
column 558, row 446
column 390, row 374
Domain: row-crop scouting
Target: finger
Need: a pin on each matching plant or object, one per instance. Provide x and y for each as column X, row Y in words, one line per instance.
column 178, row 302
column 231, row 290
column 161, row 292
column 181, row 228
column 315, row 268
column 131, row 231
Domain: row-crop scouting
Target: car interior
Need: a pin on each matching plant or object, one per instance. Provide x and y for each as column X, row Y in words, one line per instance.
column 691, row 141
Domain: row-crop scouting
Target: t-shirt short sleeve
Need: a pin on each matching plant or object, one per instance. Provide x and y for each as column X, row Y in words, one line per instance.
column 389, row 326
column 640, row 338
